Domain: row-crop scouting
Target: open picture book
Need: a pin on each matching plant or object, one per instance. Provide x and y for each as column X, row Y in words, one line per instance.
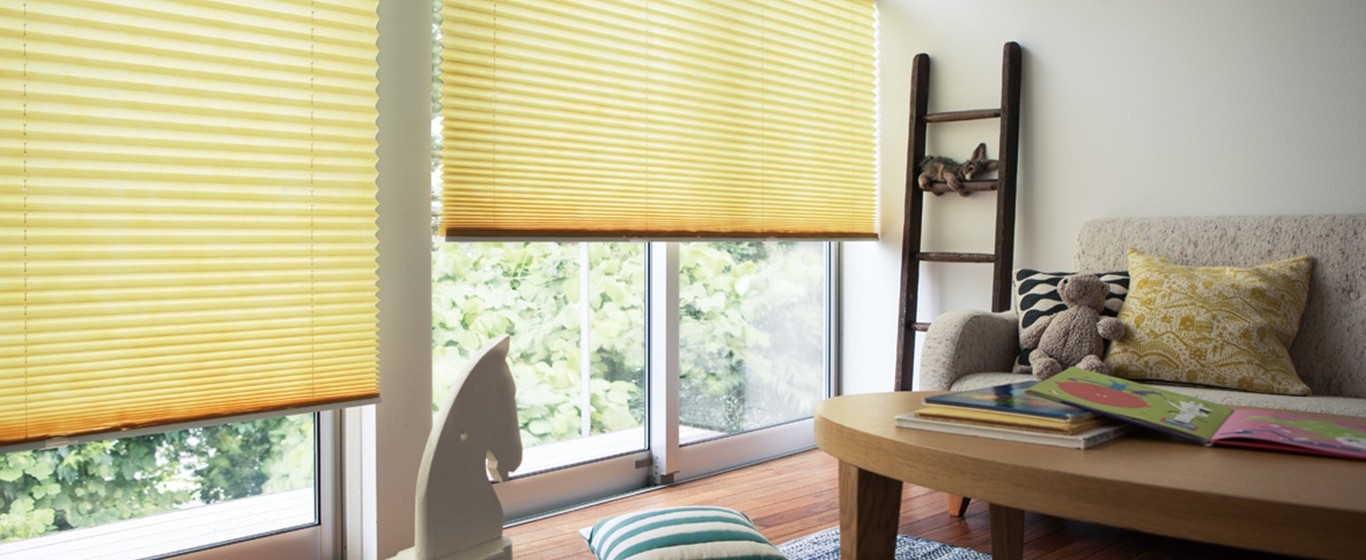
column 1204, row 421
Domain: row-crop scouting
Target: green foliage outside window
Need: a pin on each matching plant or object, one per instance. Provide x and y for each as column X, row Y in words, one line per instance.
column 752, row 333
column 532, row 291
column 91, row 484
column 482, row 291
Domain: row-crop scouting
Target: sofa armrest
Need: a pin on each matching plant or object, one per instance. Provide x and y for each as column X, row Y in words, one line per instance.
column 967, row 341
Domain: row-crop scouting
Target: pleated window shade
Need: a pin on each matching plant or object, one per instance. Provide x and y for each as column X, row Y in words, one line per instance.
column 187, row 211
column 658, row 119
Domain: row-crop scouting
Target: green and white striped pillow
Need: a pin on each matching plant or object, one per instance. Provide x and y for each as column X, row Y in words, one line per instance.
column 679, row 533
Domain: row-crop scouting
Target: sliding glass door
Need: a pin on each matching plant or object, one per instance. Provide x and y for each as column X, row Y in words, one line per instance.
column 752, row 335
column 737, row 341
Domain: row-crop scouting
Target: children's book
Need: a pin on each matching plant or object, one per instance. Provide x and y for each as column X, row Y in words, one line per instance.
column 1204, row 421
column 1011, row 398
column 992, row 417
column 1083, row 440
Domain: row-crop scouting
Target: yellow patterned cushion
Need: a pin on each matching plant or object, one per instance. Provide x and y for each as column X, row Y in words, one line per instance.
column 1212, row 325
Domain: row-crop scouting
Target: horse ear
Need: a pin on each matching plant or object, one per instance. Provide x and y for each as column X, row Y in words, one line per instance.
column 499, row 349
column 499, row 352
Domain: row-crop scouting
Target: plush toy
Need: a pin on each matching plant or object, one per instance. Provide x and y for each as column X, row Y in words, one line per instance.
column 936, row 168
column 1075, row 336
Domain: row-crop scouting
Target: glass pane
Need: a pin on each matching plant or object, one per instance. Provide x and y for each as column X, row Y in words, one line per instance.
column 561, row 303
column 158, row 494
column 752, row 335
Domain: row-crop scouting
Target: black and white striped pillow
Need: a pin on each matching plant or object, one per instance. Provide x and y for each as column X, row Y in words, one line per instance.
column 1036, row 296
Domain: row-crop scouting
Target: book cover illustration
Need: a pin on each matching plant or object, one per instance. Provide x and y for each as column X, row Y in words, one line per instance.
column 1170, row 412
column 1011, row 398
column 1278, row 429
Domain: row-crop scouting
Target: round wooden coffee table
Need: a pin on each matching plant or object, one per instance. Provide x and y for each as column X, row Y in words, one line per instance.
column 1277, row 502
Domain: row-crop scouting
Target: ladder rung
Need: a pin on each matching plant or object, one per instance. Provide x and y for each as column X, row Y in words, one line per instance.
column 957, row 257
column 940, row 187
column 920, row 327
column 972, row 115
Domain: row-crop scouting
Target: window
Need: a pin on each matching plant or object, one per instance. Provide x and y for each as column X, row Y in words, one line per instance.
column 577, row 315
column 155, row 492
column 642, row 193
column 752, row 335
column 187, row 255
column 753, row 344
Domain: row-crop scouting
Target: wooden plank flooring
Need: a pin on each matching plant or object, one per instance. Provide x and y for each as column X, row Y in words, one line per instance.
column 798, row 495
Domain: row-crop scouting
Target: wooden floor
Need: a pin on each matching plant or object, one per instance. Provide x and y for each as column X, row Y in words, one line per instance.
column 797, row 495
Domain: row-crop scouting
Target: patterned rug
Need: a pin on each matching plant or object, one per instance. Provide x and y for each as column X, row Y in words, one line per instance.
column 825, row 545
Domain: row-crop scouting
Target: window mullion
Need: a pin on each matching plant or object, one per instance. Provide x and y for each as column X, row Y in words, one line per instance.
column 585, row 345
column 662, row 348
column 834, row 255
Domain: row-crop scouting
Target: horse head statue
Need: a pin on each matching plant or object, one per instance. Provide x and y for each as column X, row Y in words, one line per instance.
column 474, row 438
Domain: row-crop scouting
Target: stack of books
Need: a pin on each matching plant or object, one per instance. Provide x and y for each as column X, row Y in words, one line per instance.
column 1008, row 412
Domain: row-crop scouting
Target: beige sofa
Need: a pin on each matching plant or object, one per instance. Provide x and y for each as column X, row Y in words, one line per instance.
column 968, row 349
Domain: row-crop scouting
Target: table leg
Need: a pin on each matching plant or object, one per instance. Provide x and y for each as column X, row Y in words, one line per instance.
column 870, row 509
column 957, row 505
column 1007, row 533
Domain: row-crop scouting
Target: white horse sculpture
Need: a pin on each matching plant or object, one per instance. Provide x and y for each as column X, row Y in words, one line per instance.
column 475, row 437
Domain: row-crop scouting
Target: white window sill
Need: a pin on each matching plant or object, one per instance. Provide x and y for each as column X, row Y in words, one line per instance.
column 583, row 450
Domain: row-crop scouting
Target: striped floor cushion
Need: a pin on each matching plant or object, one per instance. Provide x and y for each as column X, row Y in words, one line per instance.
column 678, row 533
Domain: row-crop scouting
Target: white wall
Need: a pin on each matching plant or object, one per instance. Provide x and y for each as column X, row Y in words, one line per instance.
column 1153, row 108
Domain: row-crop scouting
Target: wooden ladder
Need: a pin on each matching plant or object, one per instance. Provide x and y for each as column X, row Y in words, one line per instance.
column 1003, row 184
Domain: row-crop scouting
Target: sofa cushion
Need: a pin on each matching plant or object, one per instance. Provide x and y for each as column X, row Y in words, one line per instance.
column 1345, row 406
column 1212, row 325
column 1036, row 297
column 1328, row 351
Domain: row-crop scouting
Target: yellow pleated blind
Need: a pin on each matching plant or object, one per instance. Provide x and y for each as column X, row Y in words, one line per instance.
column 187, row 210
column 658, row 119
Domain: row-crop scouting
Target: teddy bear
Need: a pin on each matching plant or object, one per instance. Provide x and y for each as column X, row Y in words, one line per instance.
column 1075, row 336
